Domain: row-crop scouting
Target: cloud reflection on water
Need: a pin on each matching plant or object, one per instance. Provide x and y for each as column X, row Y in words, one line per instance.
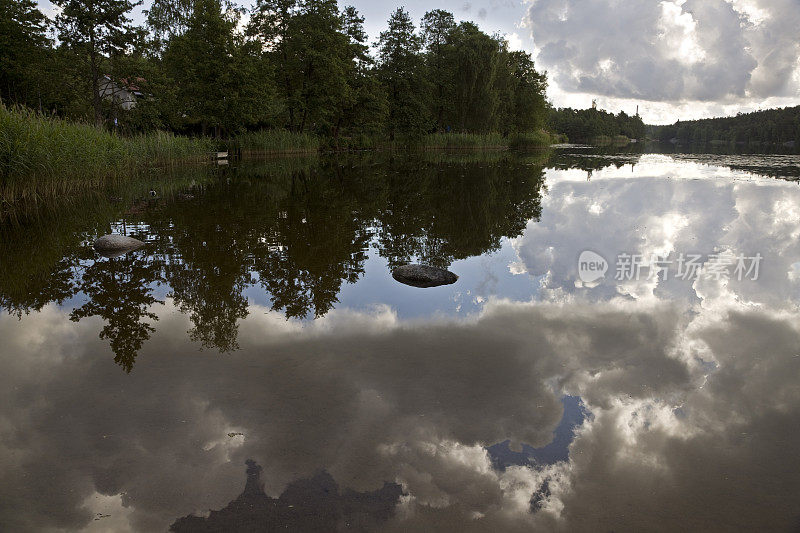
column 370, row 399
column 692, row 388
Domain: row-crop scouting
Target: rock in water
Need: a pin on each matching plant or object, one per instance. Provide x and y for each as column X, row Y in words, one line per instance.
column 423, row 276
column 115, row 245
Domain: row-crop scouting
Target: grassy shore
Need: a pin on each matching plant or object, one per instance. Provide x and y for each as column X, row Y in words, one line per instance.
column 42, row 156
column 276, row 142
column 444, row 141
column 267, row 142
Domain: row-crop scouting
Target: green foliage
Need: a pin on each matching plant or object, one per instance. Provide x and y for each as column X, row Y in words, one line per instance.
column 218, row 81
column 401, row 71
column 167, row 19
column 591, row 125
column 532, row 139
column 23, row 48
column 97, row 31
column 313, row 57
column 455, row 141
column 42, row 156
column 478, row 85
column 770, row 127
column 437, row 28
column 522, row 89
column 276, row 141
column 299, row 65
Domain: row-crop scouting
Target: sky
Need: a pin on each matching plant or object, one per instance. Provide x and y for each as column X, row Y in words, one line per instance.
column 676, row 59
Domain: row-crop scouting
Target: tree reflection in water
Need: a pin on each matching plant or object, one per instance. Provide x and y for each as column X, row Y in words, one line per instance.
column 313, row 504
column 298, row 229
column 120, row 292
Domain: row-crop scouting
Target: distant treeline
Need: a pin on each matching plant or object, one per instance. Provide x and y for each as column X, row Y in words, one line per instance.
column 772, row 127
column 300, row 65
column 588, row 125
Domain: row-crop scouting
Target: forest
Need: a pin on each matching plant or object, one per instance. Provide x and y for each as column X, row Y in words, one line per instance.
column 211, row 67
column 591, row 125
column 771, row 127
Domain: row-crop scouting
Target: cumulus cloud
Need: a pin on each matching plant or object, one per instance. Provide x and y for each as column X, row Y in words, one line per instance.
column 692, row 387
column 670, row 208
column 669, row 51
column 368, row 400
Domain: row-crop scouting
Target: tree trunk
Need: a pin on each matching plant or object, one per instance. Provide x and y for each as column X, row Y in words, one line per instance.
column 96, row 100
column 336, row 132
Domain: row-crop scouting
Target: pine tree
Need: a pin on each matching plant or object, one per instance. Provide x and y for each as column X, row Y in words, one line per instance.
column 23, row 42
column 401, row 70
column 437, row 29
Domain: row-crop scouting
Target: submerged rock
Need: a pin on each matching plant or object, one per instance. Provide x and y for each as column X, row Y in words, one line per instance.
column 423, row 276
column 115, row 245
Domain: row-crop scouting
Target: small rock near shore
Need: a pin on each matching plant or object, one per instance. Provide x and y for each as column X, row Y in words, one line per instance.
column 423, row 276
column 115, row 245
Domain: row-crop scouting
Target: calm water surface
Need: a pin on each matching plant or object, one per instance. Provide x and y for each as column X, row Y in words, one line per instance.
column 621, row 351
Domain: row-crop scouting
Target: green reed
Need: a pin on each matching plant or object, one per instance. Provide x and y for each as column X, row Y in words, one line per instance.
column 533, row 139
column 276, row 141
column 43, row 156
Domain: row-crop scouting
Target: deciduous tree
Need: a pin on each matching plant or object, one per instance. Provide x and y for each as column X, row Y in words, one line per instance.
column 95, row 30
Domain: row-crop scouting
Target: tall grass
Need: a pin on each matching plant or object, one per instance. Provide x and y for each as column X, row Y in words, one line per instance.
column 606, row 140
column 282, row 141
column 462, row 141
column 533, row 139
column 448, row 141
column 276, row 141
column 42, row 156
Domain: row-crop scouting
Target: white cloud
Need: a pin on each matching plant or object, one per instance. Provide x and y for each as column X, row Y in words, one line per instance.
column 676, row 59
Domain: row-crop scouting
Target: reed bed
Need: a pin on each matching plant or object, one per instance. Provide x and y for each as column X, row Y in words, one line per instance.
column 448, row 141
column 533, row 139
column 276, row 142
column 462, row 141
column 43, row 156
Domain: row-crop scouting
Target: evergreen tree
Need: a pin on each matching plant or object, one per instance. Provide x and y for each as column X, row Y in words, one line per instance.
column 365, row 107
column 401, row 70
column 219, row 85
column 437, row 28
column 23, row 45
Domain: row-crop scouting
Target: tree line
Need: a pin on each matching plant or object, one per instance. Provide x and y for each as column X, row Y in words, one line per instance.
column 587, row 125
column 772, row 127
column 209, row 66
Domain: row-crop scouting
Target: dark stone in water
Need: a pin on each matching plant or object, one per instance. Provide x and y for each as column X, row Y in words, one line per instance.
column 116, row 245
column 423, row 276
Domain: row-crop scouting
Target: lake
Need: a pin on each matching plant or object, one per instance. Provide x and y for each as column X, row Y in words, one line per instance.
column 621, row 350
